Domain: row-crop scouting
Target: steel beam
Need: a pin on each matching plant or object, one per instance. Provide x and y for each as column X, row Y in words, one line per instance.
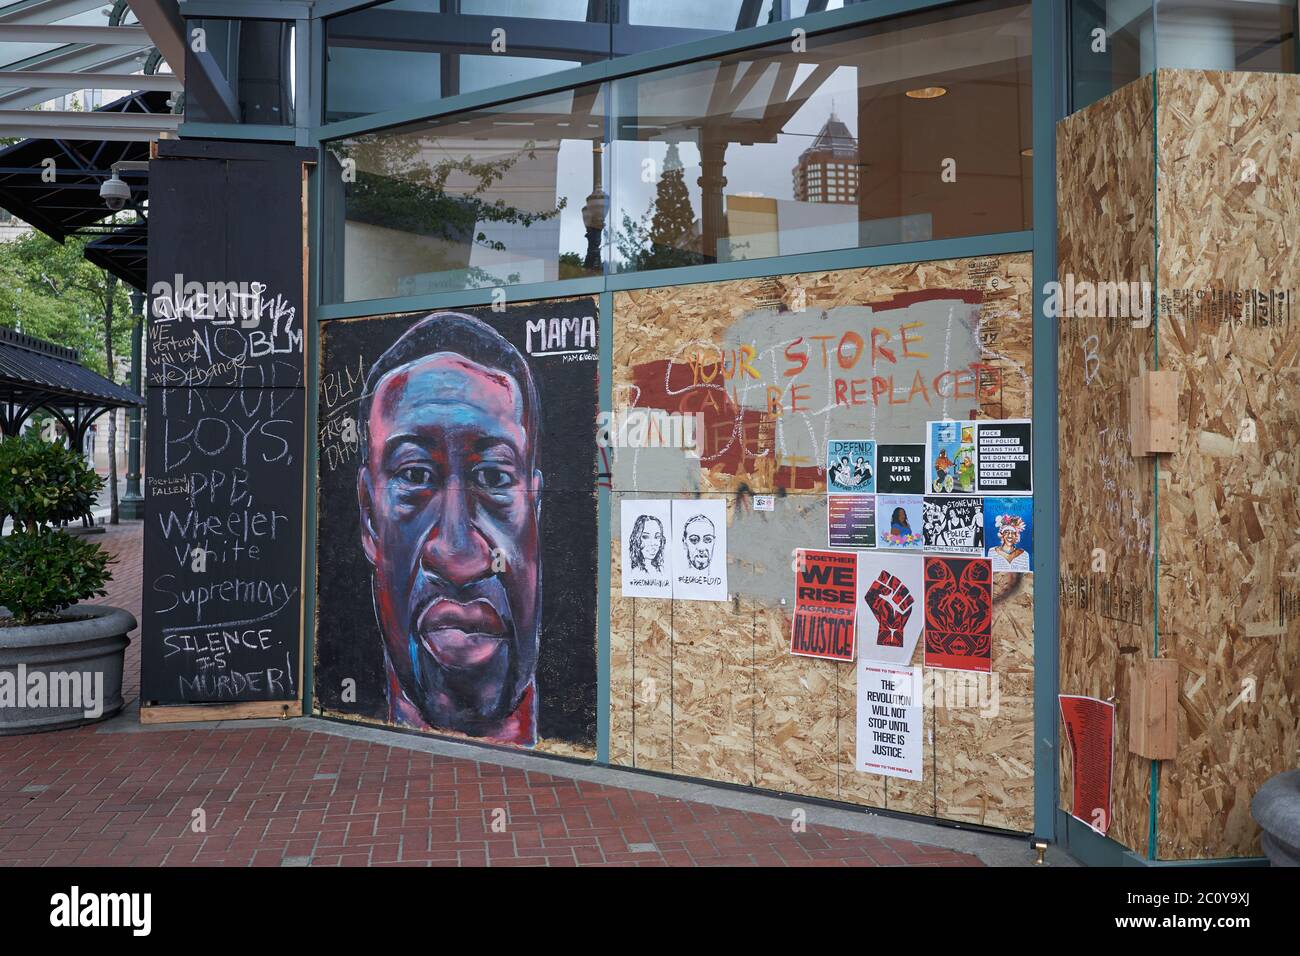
column 46, row 11
column 166, row 30
column 61, row 33
column 138, row 82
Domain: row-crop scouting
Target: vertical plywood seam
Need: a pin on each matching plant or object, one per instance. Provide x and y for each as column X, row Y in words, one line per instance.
column 753, row 696
column 1153, row 828
column 632, row 704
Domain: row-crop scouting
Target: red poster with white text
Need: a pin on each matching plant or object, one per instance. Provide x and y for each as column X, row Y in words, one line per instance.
column 1090, row 730
column 826, row 605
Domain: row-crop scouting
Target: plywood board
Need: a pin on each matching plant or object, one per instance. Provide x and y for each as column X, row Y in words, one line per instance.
column 1105, row 210
column 1229, row 500
column 714, row 347
column 622, row 634
column 795, row 712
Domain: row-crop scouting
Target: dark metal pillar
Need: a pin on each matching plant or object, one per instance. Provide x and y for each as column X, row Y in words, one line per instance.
column 131, row 507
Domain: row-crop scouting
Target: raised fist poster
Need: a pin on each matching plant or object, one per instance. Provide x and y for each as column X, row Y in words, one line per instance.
column 959, row 614
column 890, row 613
column 825, row 605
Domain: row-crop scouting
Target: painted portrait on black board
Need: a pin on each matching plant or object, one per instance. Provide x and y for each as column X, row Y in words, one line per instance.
column 465, row 443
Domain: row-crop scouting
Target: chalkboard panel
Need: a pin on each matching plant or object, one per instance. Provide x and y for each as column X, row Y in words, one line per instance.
column 224, row 485
column 223, row 544
column 226, row 272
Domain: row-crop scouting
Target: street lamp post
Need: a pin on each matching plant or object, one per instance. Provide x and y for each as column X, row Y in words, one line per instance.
column 595, row 210
column 131, row 506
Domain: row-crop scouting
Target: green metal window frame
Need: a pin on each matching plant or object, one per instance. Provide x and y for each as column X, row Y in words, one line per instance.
column 1049, row 72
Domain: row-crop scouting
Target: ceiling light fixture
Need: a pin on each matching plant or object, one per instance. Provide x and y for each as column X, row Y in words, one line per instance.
column 926, row 93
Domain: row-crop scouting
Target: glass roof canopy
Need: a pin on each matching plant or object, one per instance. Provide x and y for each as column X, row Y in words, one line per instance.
column 72, row 47
column 81, row 83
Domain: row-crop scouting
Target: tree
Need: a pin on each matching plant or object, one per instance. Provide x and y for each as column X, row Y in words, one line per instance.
column 48, row 289
column 397, row 187
column 665, row 236
column 672, row 227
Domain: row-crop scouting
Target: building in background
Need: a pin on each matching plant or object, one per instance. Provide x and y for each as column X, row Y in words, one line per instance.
column 827, row 170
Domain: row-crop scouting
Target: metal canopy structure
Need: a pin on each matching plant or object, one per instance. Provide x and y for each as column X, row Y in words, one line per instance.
column 123, row 252
column 54, row 183
column 35, row 374
column 50, row 48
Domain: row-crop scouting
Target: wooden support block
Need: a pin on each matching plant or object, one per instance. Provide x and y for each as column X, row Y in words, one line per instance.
column 1153, row 710
column 195, row 713
column 1153, row 413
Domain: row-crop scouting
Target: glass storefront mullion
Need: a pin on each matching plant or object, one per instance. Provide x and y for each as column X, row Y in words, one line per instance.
column 994, row 244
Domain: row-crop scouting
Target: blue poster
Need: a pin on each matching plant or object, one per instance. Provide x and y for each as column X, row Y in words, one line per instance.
column 851, row 467
column 1009, row 533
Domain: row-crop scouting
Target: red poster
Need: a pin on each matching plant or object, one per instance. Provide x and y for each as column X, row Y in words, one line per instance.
column 1090, row 729
column 826, row 603
column 959, row 613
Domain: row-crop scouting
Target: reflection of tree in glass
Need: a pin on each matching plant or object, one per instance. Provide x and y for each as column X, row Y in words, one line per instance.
column 396, row 187
column 665, row 236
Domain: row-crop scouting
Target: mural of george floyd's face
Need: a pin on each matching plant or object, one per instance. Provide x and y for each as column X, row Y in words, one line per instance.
column 449, row 505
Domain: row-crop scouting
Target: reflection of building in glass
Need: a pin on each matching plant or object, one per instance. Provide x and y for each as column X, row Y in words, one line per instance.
column 827, row 170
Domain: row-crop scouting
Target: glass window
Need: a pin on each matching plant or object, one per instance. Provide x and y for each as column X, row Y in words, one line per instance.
column 931, row 111
column 402, row 52
column 499, row 196
column 239, row 71
column 1116, row 41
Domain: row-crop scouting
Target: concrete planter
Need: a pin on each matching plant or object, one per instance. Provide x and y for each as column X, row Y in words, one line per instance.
column 55, row 676
column 1276, row 808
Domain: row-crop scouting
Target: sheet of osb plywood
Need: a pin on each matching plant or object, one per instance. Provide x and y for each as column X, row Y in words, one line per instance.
column 652, row 685
column 984, row 753
column 778, row 365
column 622, row 635
column 984, row 723
column 713, row 690
column 1229, row 499
column 794, row 712
column 1105, row 211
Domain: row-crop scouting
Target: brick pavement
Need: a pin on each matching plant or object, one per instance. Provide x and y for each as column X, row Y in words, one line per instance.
column 286, row 796
column 123, row 542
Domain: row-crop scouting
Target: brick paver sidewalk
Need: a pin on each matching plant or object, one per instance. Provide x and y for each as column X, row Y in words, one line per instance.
column 281, row 796
column 285, row 795
column 124, row 542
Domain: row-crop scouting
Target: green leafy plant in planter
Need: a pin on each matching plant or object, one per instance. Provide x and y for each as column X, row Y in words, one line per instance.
column 44, row 570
